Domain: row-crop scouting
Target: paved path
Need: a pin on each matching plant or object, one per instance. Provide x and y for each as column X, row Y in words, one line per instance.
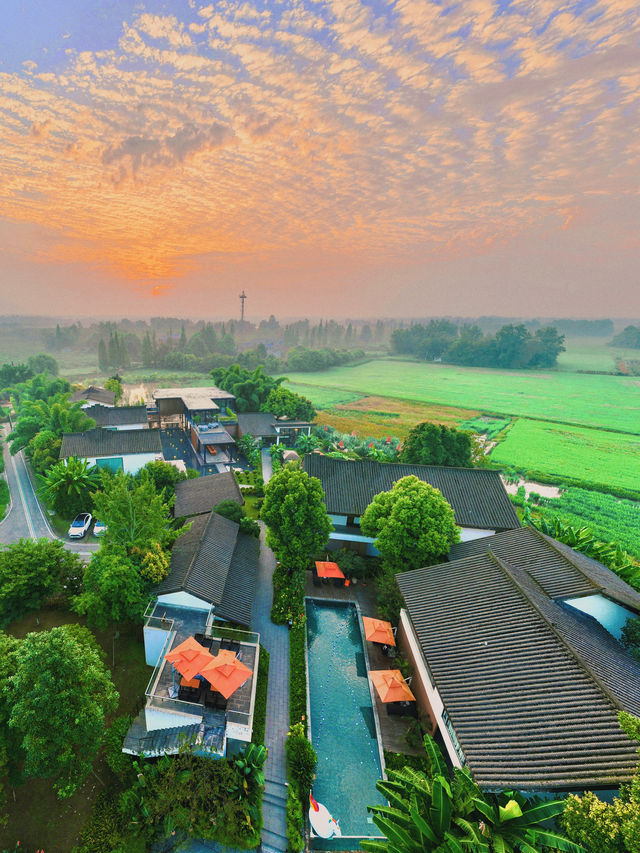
column 267, row 465
column 275, row 638
column 25, row 518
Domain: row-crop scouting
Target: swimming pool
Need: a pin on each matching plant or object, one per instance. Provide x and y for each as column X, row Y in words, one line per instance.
column 343, row 728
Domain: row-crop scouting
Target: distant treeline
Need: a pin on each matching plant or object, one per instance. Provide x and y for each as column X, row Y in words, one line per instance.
column 510, row 347
column 628, row 337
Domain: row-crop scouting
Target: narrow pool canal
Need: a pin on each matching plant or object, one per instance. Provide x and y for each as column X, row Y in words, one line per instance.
column 343, row 729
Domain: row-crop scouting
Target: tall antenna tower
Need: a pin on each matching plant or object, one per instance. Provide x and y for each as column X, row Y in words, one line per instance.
column 242, row 297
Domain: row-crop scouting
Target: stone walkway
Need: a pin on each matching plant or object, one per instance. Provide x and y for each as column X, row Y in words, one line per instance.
column 275, row 639
column 267, row 465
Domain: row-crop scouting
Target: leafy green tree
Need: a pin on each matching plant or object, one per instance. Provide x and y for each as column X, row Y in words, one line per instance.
column 14, row 374
column 114, row 384
column 296, row 516
column 306, row 444
column 435, row 444
column 250, row 387
column 68, row 485
column 135, row 514
column 63, row 693
column 412, row 524
column 444, row 811
column 251, row 448
column 40, row 387
column 234, row 512
column 11, row 755
column 43, row 363
column 55, row 414
column 163, row 476
column 113, row 590
column 103, row 357
column 32, row 571
column 286, row 404
column 43, row 450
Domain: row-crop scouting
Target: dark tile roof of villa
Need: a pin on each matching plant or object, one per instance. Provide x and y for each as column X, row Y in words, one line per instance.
column 560, row 571
column 95, row 393
column 217, row 564
column 194, row 497
column 118, row 415
column 258, row 424
column 477, row 496
column 107, row 442
column 532, row 688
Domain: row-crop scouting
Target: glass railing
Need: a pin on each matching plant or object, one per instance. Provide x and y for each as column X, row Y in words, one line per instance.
column 174, row 706
column 219, row 633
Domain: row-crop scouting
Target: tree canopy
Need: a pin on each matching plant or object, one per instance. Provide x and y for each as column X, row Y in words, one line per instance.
column 62, row 693
column 512, row 346
column 165, row 476
column 113, row 590
column 412, row 524
column 43, row 363
column 32, row 571
column 56, row 414
column 284, row 403
column 435, row 444
column 234, row 512
column 68, row 486
column 250, row 387
column 296, row 516
column 135, row 514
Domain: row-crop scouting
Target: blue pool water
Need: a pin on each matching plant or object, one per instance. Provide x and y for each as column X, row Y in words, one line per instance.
column 342, row 722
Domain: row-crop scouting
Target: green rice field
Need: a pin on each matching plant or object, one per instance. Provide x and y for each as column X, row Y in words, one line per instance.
column 608, row 459
column 612, row 402
column 611, row 519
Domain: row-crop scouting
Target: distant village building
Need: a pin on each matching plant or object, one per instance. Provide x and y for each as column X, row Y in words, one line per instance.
column 94, row 395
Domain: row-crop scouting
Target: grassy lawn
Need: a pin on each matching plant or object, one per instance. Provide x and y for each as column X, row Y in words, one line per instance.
column 380, row 417
column 592, row 354
column 36, row 817
column 582, row 399
column 588, row 455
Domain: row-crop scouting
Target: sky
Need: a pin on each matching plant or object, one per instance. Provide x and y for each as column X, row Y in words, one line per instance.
column 330, row 157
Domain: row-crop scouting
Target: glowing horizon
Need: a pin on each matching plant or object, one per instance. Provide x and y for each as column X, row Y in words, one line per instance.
column 334, row 157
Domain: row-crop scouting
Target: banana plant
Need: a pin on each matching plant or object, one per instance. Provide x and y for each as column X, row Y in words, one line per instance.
column 249, row 767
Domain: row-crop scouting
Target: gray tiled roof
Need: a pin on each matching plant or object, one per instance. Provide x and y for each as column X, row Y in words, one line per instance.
column 95, row 393
column 258, row 424
column 560, row 571
column 532, row 688
column 477, row 496
column 107, row 442
column 204, row 493
column 118, row 415
column 217, row 564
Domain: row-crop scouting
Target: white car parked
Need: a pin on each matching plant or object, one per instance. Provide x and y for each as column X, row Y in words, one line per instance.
column 80, row 524
column 99, row 528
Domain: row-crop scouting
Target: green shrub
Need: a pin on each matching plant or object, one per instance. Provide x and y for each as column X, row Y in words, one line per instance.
column 295, row 839
column 106, row 829
column 390, row 599
column 4, row 497
column 260, row 708
column 398, row 760
column 297, row 675
column 120, row 764
column 288, row 597
column 301, row 760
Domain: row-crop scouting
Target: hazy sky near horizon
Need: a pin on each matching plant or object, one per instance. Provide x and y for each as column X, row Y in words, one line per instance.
column 331, row 157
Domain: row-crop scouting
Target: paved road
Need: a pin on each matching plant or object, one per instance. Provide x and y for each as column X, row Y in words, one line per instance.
column 25, row 518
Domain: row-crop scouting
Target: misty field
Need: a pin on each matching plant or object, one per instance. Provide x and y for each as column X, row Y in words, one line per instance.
column 601, row 401
column 609, row 459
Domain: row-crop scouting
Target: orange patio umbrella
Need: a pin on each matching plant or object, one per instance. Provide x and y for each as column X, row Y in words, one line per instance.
column 391, row 685
column 328, row 570
column 378, row 631
column 225, row 673
column 189, row 657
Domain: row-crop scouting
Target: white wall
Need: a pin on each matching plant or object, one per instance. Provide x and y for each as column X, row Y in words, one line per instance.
column 184, row 599
column 132, row 462
column 428, row 687
column 469, row 533
column 156, row 719
column 126, row 427
column 608, row 613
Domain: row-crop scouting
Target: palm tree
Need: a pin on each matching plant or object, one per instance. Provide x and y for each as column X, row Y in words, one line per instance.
column 445, row 811
column 68, row 484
